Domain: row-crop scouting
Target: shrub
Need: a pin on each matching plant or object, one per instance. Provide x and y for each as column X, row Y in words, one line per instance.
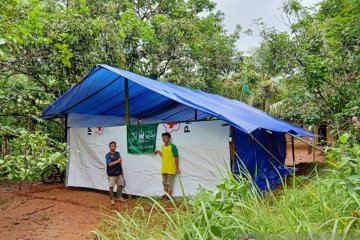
column 31, row 152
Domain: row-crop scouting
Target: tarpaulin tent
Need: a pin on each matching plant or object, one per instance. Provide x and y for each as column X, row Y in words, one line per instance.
column 108, row 91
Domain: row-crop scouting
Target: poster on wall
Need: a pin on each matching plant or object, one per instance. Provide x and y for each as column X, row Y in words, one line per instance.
column 141, row 139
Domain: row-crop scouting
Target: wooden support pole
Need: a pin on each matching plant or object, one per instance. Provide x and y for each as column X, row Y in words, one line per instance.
column 253, row 138
column 233, row 152
column 66, row 128
column 322, row 150
column 313, row 154
column 127, row 108
column 293, row 149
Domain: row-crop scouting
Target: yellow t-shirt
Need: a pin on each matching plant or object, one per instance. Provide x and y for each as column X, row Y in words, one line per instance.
column 168, row 159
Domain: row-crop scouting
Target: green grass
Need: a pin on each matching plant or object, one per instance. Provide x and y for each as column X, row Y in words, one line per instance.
column 306, row 207
column 150, row 219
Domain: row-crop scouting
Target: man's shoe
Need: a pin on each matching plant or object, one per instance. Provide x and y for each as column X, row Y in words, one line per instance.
column 121, row 199
column 112, row 202
column 165, row 197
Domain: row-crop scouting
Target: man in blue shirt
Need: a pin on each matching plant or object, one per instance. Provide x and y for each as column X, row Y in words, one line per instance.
column 114, row 172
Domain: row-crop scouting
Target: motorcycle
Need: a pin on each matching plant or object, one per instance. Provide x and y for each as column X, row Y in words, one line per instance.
column 53, row 173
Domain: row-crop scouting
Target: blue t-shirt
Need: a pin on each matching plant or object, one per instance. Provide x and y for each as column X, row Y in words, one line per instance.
column 114, row 170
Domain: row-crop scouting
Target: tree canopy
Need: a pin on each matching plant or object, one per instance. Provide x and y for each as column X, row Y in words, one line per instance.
column 308, row 74
column 317, row 60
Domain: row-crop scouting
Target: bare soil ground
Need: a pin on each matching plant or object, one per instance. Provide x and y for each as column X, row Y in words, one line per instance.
column 56, row 212
column 302, row 155
column 52, row 211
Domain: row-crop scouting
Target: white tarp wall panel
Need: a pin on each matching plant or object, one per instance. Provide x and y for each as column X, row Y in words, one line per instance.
column 203, row 149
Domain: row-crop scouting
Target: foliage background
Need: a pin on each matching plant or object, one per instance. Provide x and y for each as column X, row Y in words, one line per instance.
column 309, row 74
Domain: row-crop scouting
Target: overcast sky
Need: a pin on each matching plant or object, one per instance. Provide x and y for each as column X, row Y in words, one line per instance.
column 243, row 12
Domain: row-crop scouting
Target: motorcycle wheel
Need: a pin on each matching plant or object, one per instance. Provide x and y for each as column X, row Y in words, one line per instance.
column 49, row 175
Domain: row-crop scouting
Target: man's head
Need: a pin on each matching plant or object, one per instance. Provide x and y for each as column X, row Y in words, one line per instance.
column 166, row 137
column 112, row 146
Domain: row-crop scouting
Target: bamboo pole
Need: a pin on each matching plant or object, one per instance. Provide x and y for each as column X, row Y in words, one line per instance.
column 66, row 128
column 127, row 108
column 272, row 155
column 322, row 150
column 232, row 149
column 293, row 149
column 313, row 154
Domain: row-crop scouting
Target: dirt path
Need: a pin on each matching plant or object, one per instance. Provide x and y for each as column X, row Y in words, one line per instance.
column 52, row 212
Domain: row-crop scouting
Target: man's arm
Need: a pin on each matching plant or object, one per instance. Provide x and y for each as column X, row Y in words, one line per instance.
column 111, row 164
column 158, row 152
column 108, row 160
column 177, row 165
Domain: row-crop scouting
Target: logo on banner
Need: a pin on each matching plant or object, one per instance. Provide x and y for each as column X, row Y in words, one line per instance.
column 171, row 127
column 98, row 130
column 141, row 138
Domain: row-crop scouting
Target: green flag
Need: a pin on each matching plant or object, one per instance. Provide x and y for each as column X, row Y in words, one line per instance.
column 246, row 86
column 141, row 138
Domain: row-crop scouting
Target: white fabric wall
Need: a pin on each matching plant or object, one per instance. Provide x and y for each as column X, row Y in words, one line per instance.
column 204, row 158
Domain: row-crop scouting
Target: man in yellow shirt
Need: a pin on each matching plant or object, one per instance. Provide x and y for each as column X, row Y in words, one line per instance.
column 170, row 163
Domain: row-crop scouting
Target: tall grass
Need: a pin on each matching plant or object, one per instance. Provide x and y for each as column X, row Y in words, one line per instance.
column 150, row 219
column 319, row 205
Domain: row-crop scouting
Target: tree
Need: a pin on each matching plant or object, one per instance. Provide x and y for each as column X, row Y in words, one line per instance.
column 318, row 61
column 46, row 46
column 51, row 40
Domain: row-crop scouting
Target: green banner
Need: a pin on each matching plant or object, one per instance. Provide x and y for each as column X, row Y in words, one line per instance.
column 246, row 86
column 141, row 138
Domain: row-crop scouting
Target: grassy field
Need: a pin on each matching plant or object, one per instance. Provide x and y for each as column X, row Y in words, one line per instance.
column 311, row 206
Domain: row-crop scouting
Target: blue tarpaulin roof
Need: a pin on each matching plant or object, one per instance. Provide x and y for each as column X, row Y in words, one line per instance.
column 101, row 92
